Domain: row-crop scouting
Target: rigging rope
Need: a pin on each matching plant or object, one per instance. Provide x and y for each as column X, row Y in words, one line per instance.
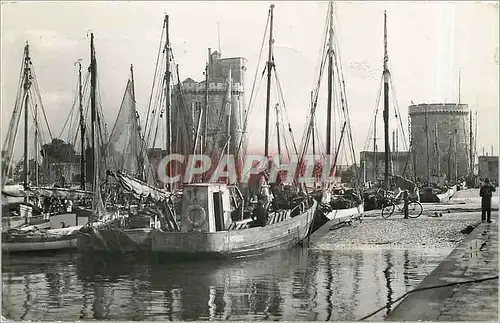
column 250, row 103
column 281, row 96
column 155, row 75
column 427, row 288
column 35, row 82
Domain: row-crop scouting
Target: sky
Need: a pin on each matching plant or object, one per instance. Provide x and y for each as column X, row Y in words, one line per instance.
column 428, row 43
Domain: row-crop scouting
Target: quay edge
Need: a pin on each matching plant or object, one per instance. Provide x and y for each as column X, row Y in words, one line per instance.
column 476, row 257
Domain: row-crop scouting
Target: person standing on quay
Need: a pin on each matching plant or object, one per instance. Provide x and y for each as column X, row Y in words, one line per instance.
column 486, row 192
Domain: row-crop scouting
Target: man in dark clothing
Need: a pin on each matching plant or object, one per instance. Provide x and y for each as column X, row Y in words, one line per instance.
column 486, row 192
column 260, row 214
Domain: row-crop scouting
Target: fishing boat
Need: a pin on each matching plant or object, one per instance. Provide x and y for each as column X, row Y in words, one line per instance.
column 131, row 171
column 55, row 237
column 207, row 227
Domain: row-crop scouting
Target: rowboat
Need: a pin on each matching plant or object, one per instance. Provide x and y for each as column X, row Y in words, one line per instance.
column 19, row 240
column 433, row 195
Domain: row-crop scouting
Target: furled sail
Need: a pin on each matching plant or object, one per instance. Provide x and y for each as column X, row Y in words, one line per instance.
column 140, row 188
column 60, row 192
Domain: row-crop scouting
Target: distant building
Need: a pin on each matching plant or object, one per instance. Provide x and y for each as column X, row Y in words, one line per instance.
column 373, row 165
column 440, row 133
column 488, row 167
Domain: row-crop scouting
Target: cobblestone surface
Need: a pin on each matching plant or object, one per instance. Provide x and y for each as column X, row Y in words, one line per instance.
column 439, row 226
column 397, row 233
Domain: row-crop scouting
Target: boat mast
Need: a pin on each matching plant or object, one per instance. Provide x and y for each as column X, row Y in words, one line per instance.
column 93, row 111
column 375, row 157
column 427, row 148
column 386, row 106
column 168, row 109
column 278, row 132
column 35, row 148
column 229, row 112
column 471, row 153
column 330, row 84
column 312, row 127
column 270, row 65
column 27, row 86
column 205, row 123
column 82, row 127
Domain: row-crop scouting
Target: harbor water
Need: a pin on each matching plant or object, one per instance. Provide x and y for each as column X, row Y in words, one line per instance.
column 297, row 284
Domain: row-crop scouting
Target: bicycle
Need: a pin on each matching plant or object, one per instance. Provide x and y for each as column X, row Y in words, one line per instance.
column 415, row 209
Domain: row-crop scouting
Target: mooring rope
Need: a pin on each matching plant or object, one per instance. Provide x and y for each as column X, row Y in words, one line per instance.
column 427, row 288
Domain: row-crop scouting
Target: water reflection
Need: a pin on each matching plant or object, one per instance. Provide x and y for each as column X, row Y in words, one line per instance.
column 388, row 278
column 298, row 284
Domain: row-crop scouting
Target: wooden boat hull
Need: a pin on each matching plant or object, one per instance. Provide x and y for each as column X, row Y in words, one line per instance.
column 236, row 243
column 93, row 239
column 345, row 213
column 55, row 239
column 451, row 191
column 434, row 198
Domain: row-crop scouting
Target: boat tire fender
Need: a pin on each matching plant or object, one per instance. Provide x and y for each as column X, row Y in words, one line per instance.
column 201, row 220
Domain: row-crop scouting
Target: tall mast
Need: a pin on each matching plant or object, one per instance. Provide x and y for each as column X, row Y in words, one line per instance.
column 229, row 112
column 27, row 86
column 205, row 125
column 386, row 106
column 427, row 148
column 375, row 157
column 312, row 123
column 270, row 65
column 82, row 127
column 93, row 111
column 168, row 109
column 133, row 84
column 330, row 83
column 35, row 148
column 471, row 143
column 278, row 132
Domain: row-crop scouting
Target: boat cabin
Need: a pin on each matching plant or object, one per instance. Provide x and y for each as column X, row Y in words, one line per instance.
column 210, row 207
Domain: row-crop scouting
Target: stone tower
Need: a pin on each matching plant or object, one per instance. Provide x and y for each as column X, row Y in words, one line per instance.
column 445, row 143
column 193, row 99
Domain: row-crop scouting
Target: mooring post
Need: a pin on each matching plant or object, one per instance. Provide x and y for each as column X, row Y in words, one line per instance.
column 406, row 200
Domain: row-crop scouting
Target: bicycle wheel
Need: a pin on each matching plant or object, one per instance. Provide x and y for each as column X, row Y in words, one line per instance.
column 387, row 210
column 415, row 209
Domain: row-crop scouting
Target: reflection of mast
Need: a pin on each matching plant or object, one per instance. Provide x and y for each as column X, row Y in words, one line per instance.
column 28, row 300
column 358, row 264
column 329, row 283
column 387, row 275
column 406, row 268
